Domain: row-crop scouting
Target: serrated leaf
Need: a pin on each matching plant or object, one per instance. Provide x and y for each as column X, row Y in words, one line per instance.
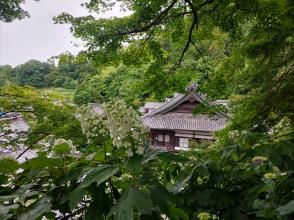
column 134, row 165
column 8, row 165
column 133, row 198
column 179, row 185
column 151, row 155
column 42, row 162
column 160, row 197
column 76, row 196
column 98, row 174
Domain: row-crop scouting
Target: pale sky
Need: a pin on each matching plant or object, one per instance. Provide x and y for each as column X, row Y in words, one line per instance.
column 38, row 37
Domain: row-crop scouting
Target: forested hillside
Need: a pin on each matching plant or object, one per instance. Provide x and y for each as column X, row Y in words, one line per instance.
column 100, row 166
column 64, row 71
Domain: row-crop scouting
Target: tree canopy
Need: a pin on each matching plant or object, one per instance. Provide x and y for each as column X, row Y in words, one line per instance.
column 11, row 10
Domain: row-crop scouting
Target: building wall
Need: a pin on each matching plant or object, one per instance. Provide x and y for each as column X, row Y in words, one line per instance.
column 176, row 140
column 185, row 107
column 163, row 139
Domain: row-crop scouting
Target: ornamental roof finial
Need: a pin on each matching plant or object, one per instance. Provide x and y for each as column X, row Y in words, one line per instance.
column 193, row 87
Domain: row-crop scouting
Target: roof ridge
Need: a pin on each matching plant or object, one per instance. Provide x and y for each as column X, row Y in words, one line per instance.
column 174, row 101
column 156, row 110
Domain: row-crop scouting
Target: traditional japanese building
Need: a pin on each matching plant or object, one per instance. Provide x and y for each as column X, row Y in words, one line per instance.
column 172, row 123
column 12, row 126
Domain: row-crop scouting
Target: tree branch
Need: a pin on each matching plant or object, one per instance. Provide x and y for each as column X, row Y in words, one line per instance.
column 279, row 82
column 155, row 22
column 29, row 147
column 194, row 23
column 14, row 111
column 201, row 55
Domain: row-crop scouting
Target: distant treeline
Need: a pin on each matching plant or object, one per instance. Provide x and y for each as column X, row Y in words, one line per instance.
column 64, row 71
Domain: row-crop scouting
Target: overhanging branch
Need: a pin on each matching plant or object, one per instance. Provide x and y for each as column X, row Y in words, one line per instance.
column 193, row 24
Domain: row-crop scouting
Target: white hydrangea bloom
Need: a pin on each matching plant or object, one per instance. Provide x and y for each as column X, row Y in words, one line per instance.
column 129, row 152
column 93, row 125
column 125, row 126
column 118, row 121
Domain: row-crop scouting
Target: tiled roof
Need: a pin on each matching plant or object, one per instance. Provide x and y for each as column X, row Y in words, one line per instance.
column 18, row 124
column 153, row 104
column 166, row 105
column 15, row 122
column 175, row 101
column 11, row 152
column 180, row 121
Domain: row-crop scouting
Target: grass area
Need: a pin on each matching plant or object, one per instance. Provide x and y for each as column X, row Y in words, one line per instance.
column 67, row 93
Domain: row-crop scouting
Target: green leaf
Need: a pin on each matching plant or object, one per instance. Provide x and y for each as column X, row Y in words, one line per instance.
column 171, row 157
column 8, row 197
column 36, row 210
column 179, row 185
column 108, row 145
column 42, row 162
column 160, row 197
column 98, row 174
column 4, row 209
column 93, row 212
column 286, row 209
column 134, row 165
column 8, row 165
column 178, row 214
column 76, row 196
column 6, row 217
column 268, row 187
column 133, row 198
column 3, row 179
column 100, row 154
column 151, row 155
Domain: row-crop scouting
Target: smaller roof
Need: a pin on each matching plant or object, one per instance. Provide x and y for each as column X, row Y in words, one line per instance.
column 153, row 104
column 11, row 152
column 15, row 122
column 175, row 101
column 19, row 124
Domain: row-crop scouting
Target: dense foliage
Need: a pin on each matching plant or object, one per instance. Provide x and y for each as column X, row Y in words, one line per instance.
column 99, row 166
column 64, row 71
column 11, row 10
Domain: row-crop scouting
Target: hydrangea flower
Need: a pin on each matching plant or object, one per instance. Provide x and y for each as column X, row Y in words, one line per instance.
column 93, row 124
column 126, row 127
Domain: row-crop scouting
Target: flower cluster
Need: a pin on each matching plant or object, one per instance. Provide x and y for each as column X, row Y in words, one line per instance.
column 282, row 129
column 93, row 124
column 258, row 160
column 203, row 216
column 63, row 147
column 125, row 126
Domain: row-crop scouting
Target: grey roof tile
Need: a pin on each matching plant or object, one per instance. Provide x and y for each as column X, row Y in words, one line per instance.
column 179, row 121
column 153, row 104
column 19, row 124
